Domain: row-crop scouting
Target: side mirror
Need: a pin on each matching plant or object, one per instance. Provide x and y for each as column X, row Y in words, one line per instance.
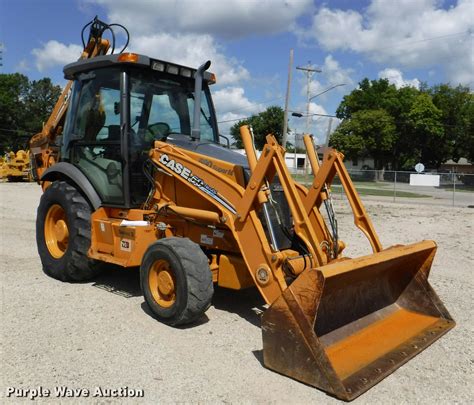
column 116, row 108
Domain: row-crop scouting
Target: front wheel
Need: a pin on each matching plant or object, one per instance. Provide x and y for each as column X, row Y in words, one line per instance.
column 176, row 280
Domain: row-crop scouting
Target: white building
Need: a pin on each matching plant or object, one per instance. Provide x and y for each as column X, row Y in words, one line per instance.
column 302, row 165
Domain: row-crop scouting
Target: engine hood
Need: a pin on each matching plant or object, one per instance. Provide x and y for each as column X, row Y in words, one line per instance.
column 209, row 149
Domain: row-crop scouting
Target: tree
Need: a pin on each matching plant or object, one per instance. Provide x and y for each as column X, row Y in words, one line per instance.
column 370, row 95
column 13, row 91
column 457, row 109
column 24, row 106
column 264, row 123
column 429, row 144
column 466, row 139
column 381, row 95
column 432, row 125
column 368, row 133
column 403, row 146
column 39, row 103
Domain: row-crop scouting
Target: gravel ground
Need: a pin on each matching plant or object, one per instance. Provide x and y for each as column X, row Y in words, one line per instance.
column 100, row 334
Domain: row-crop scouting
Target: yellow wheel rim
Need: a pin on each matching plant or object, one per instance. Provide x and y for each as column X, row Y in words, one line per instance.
column 56, row 232
column 162, row 283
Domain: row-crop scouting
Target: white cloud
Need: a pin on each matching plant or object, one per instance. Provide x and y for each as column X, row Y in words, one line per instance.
column 395, row 77
column 413, row 33
column 332, row 79
column 232, row 99
column 317, row 125
column 191, row 50
column 335, row 74
column 23, row 66
column 230, row 18
column 187, row 49
column 232, row 105
column 54, row 53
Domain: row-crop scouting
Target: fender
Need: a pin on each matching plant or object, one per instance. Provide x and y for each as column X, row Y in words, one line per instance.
column 68, row 171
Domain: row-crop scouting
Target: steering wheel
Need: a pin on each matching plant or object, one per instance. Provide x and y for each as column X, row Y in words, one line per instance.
column 157, row 131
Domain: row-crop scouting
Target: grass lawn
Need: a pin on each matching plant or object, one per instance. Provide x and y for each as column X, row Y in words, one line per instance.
column 301, row 178
column 459, row 188
column 371, row 188
column 382, row 193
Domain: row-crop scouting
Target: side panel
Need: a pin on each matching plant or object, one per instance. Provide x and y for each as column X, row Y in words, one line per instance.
column 121, row 245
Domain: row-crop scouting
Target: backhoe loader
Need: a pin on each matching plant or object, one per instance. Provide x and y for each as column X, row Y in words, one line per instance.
column 17, row 167
column 134, row 174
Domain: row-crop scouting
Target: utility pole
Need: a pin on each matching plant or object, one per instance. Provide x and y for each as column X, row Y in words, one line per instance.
column 1, row 57
column 309, row 70
column 285, row 116
column 328, row 133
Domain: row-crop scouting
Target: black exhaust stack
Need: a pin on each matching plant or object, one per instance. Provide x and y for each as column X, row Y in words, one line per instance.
column 196, row 129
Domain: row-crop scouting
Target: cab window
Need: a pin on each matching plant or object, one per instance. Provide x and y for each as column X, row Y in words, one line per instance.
column 96, row 134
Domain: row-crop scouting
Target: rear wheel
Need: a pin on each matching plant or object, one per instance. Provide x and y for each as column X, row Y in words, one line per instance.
column 63, row 234
column 176, row 280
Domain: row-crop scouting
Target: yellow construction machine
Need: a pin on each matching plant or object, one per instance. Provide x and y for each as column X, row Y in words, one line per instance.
column 16, row 166
column 3, row 166
column 134, row 174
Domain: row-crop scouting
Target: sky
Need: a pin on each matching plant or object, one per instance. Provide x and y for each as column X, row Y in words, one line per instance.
column 249, row 42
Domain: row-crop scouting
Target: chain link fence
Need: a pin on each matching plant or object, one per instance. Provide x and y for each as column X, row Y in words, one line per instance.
column 455, row 189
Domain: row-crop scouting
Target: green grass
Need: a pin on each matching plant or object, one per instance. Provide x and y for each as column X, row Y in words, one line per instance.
column 371, row 188
column 382, row 193
column 301, row 178
column 372, row 183
column 461, row 188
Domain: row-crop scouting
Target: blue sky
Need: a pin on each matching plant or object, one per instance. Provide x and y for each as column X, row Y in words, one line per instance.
column 406, row 41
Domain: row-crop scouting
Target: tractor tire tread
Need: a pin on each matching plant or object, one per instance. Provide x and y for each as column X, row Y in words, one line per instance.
column 77, row 265
column 200, row 288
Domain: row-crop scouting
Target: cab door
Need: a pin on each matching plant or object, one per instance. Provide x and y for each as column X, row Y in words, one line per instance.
column 95, row 139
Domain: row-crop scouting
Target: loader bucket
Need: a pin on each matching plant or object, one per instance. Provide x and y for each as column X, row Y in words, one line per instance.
column 345, row 326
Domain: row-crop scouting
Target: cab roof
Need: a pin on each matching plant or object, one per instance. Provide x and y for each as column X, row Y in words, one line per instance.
column 132, row 59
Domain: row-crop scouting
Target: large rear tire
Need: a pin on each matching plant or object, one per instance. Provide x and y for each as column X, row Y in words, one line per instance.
column 176, row 280
column 63, row 234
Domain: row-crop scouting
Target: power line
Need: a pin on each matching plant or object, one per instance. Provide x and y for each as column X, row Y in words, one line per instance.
column 255, row 104
column 404, row 43
column 433, row 38
column 235, row 119
column 246, row 118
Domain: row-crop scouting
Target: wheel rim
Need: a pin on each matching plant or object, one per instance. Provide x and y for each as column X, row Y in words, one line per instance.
column 162, row 283
column 56, row 232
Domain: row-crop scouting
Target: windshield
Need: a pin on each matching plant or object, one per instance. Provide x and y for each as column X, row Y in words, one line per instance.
column 164, row 105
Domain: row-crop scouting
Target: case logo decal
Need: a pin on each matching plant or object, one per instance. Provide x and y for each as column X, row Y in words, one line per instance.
column 196, row 181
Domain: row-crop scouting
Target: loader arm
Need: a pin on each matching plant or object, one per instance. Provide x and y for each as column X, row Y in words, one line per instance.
column 333, row 165
column 238, row 208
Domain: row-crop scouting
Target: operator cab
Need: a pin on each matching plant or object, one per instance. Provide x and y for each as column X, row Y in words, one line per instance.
column 121, row 104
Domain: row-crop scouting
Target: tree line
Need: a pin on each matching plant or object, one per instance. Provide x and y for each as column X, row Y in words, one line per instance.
column 266, row 122
column 399, row 127
column 396, row 127
column 24, row 106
